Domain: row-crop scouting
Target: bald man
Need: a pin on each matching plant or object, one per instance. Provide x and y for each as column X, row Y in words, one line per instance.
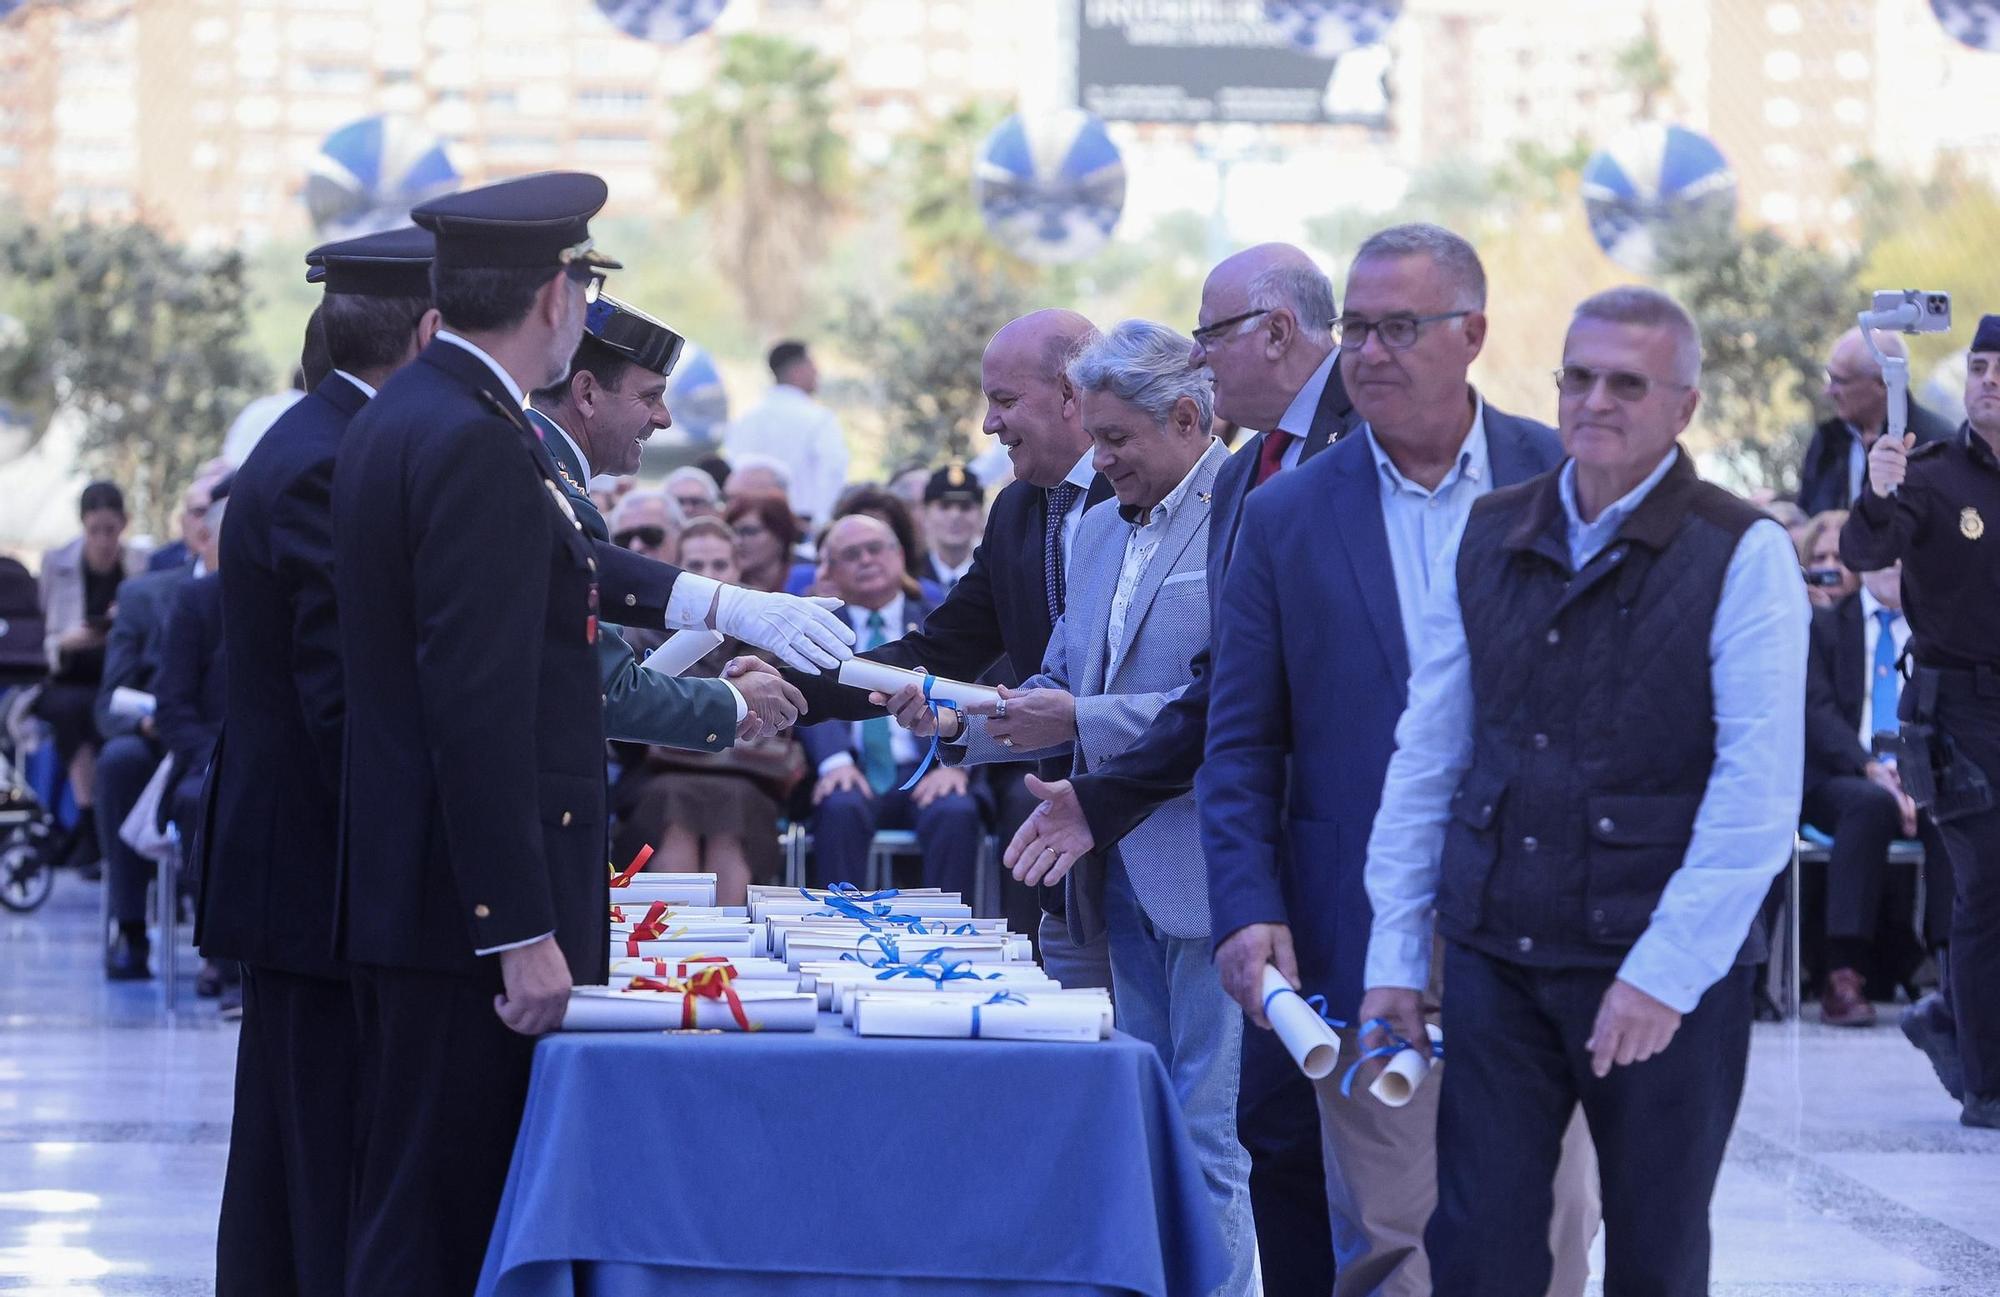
column 861, row 766
column 1836, row 461
column 1007, row 603
column 1264, row 334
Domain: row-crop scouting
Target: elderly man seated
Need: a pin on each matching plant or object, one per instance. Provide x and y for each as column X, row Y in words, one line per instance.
column 648, row 523
column 863, row 766
column 1137, row 613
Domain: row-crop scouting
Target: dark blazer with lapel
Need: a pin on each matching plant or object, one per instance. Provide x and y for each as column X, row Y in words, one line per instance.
column 1823, row 472
column 1836, row 685
column 1000, row 606
column 1311, row 674
column 1161, row 765
column 267, row 844
column 472, row 797
column 191, row 688
column 132, row 653
column 829, row 738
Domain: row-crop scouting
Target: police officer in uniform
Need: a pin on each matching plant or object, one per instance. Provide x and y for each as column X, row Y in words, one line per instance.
column 1937, row 508
column 267, row 844
column 595, row 420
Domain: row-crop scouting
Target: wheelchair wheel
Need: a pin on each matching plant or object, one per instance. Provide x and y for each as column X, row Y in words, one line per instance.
column 26, row 876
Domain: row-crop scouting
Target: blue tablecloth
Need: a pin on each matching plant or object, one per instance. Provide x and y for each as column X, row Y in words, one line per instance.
column 830, row 1166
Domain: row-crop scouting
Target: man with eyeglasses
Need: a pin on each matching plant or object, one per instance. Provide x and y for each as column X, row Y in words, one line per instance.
column 1595, row 781
column 648, row 523
column 694, row 491
column 1834, row 472
column 1302, row 720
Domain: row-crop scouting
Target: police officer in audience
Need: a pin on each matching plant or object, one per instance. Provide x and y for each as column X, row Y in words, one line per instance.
column 954, row 506
column 596, row 419
column 1935, row 506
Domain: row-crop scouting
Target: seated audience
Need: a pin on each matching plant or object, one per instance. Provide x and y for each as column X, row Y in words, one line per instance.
column 695, row 492
column 766, row 534
column 758, row 475
column 954, row 514
column 1789, row 516
column 861, row 766
column 709, row 812
column 907, row 483
column 1827, row 579
column 194, row 503
column 648, row 523
column 876, row 502
column 1852, row 792
column 79, row 587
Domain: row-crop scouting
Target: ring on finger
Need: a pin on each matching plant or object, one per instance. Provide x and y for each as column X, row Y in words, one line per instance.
column 1006, row 743
column 1000, row 709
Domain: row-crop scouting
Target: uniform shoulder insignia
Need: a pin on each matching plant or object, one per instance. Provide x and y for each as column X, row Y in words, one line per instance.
column 568, row 481
column 505, row 411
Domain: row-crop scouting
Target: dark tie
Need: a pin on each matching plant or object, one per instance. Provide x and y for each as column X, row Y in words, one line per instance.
column 1060, row 498
column 1271, row 455
column 1882, row 689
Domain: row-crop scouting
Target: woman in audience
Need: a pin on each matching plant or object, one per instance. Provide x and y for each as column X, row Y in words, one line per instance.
column 1827, row 579
column 766, row 533
column 701, row 812
column 79, row 586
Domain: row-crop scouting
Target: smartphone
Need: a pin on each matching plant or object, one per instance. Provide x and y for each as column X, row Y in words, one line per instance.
column 1825, row 577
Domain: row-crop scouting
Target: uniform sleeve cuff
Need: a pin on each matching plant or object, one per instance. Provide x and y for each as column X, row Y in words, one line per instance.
column 690, row 601
column 514, row 945
column 742, row 707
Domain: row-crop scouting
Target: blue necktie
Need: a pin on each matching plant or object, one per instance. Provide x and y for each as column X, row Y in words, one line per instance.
column 1883, row 687
column 878, row 754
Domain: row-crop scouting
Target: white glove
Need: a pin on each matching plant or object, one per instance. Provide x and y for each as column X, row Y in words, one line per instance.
column 803, row 632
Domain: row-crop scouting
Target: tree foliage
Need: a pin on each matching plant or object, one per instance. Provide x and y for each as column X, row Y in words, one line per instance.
column 757, row 150
column 142, row 337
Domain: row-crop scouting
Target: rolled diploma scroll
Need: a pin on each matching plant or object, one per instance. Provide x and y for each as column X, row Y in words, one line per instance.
column 859, row 673
column 1032, row 992
column 1308, row 1037
column 621, row 947
column 600, row 1008
column 1406, row 1070
column 682, row 650
column 1044, row 1019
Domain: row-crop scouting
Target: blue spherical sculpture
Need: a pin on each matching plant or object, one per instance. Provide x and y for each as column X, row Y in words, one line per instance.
column 1331, row 28
column 1970, row 22
column 1653, row 180
column 370, row 173
column 1050, row 189
column 666, row 21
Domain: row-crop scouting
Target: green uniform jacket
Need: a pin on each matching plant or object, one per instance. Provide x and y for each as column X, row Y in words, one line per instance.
column 641, row 706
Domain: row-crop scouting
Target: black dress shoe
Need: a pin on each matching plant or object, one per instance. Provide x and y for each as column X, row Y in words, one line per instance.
column 208, row 982
column 1981, row 1110
column 126, row 960
column 1927, row 1026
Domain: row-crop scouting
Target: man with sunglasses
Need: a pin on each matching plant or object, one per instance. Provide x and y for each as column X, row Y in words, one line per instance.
column 597, row 420
column 1834, row 472
column 1595, row 781
column 1302, row 719
column 648, row 523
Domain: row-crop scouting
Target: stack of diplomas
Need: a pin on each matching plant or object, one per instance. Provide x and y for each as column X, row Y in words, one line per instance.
column 912, row 963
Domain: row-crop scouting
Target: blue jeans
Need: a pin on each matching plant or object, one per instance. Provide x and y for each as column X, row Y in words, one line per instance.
column 1168, row 995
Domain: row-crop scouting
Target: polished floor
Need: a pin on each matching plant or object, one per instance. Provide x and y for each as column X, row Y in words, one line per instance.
column 1849, row 1174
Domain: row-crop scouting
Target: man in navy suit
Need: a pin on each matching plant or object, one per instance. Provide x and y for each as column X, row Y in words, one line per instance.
column 1265, row 337
column 862, row 765
column 1320, row 609
column 267, row 846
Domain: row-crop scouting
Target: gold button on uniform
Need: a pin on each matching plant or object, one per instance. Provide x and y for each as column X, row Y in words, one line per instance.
column 481, row 912
column 566, row 818
column 711, row 738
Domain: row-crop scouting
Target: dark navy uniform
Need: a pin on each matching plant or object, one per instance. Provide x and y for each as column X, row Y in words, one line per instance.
column 473, row 799
column 266, row 849
column 1944, row 524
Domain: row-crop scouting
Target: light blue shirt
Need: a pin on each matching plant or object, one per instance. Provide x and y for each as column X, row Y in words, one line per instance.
column 1749, row 813
column 1422, row 525
column 1298, row 417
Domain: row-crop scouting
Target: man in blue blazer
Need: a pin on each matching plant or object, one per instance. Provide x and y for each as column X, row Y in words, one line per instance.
column 1320, row 606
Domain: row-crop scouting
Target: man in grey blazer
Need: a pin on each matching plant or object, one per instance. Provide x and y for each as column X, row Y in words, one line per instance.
column 1137, row 614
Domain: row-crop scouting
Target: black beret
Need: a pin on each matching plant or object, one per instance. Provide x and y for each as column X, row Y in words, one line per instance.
column 1987, row 338
column 524, row 224
column 954, row 482
column 633, row 334
column 394, row 263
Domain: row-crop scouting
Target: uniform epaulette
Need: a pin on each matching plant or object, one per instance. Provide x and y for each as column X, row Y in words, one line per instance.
column 508, row 412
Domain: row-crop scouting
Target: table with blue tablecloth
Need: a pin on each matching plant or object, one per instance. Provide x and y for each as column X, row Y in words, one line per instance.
column 826, row 1165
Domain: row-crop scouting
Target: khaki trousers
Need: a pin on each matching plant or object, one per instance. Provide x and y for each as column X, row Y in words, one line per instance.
column 1381, row 1186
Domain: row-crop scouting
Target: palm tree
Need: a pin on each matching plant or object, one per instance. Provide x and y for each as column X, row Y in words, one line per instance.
column 757, row 150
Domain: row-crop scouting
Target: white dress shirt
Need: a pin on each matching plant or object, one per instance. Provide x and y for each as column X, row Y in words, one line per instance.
column 1298, row 417
column 366, row 390
column 902, row 744
column 950, row 575
column 1749, row 813
column 1142, row 541
column 789, row 425
column 1871, row 635
column 1423, row 526
column 1082, row 475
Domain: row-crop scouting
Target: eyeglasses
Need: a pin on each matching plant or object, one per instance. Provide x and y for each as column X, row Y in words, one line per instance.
column 1210, row 334
column 1623, row 384
column 866, row 549
column 650, row 537
column 692, row 503
column 1397, row 332
column 589, row 276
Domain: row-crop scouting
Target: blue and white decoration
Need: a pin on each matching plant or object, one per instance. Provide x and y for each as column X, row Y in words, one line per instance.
column 1970, row 22
column 1050, row 189
column 697, row 398
column 1331, row 28
column 1653, row 178
column 368, row 174
column 7, row 8
column 667, row 21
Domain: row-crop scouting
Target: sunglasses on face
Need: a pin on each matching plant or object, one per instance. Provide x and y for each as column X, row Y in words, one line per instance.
column 650, row 537
column 1623, row 384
